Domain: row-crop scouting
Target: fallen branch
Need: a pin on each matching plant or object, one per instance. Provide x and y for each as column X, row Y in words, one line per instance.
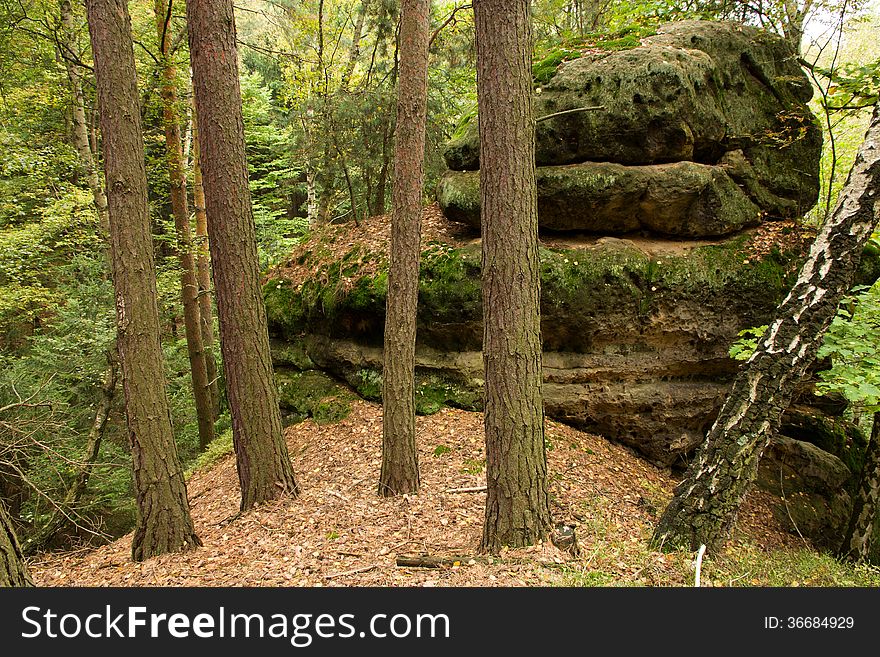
column 427, row 561
column 472, row 489
column 356, row 571
column 570, row 111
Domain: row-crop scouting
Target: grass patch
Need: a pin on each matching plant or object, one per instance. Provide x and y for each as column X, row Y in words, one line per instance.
column 216, row 450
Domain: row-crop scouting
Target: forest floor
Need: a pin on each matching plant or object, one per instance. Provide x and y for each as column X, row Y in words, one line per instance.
column 338, row 532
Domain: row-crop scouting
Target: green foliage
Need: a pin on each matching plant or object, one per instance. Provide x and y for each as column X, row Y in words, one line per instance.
column 854, row 85
column 218, row 448
column 272, row 173
column 743, row 348
column 853, row 344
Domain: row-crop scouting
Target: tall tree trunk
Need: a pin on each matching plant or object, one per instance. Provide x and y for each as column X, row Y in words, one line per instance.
column 264, row 468
column 163, row 523
column 13, row 571
column 203, row 266
column 81, row 143
column 517, row 503
column 856, row 545
column 706, row 502
column 400, row 464
column 189, row 285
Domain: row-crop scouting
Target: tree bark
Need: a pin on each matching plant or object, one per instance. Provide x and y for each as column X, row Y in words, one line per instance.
column 13, row 571
column 264, row 468
column 163, row 523
column 400, row 464
column 203, row 267
column 81, row 143
column 189, row 285
column 706, row 502
column 517, row 502
column 856, row 545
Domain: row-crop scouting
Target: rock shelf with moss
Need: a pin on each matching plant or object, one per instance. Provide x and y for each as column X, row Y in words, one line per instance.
column 635, row 342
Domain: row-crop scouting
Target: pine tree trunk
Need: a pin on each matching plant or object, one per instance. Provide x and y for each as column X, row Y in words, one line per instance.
column 706, row 502
column 163, row 523
column 13, row 571
column 189, row 285
column 517, row 503
column 400, row 464
column 264, row 468
column 856, row 545
column 203, row 267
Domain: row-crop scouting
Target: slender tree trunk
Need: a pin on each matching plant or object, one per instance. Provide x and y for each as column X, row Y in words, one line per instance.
column 203, row 266
column 60, row 520
column 856, row 545
column 264, row 468
column 517, row 502
column 706, row 502
column 70, row 53
column 381, row 182
column 189, row 285
column 400, row 464
column 163, row 523
column 13, row 571
column 355, row 52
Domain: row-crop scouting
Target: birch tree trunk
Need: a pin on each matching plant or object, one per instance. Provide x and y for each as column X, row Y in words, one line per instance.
column 189, row 285
column 203, row 268
column 856, row 545
column 706, row 502
column 81, row 143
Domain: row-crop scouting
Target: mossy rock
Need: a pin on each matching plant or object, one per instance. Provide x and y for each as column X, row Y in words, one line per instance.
column 312, row 394
column 836, row 436
column 290, row 355
column 693, row 92
column 586, row 292
column 433, row 391
column 683, row 199
column 869, row 266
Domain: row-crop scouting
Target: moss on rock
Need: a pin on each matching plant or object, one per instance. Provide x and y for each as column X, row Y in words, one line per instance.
column 312, row 394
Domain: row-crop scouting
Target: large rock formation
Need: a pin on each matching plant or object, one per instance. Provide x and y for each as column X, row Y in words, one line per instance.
column 723, row 95
column 635, row 331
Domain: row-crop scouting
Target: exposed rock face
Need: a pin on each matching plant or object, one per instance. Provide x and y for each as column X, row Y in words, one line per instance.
column 721, row 94
column 683, row 199
column 635, row 332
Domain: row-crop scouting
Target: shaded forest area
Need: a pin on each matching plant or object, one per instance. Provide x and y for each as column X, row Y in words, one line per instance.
column 431, row 292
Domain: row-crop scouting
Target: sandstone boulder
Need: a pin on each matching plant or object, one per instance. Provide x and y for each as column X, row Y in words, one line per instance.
column 682, row 199
column 695, row 91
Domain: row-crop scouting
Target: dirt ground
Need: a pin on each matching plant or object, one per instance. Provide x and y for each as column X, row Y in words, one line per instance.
column 339, row 532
